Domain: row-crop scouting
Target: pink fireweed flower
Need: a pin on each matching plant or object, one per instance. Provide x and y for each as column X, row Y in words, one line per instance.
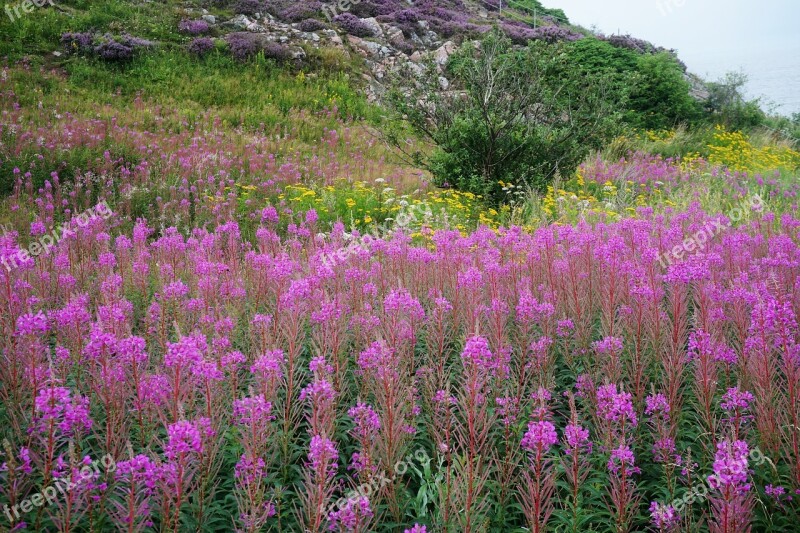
column 319, row 365
column 249, row 471
column 187, row 352
column 132, row 350
column 584, row 386
column 207, row 370
column 139, row 470
column 507, row 410
column 252, row 410
column 355, row 512
column 663, row 449
column 417, row 529
column 380, row 360
column 774, row 492
column 402, row 300
column 538, row 351
column 663, row 517
column 608, row 346
column 735, row 399
column 657, row 405
column 701, row 344
column 320, row 392
column 32, row 324
column 269, row 366
column 622, row 457
column 476, row 354
column 444, row 397
column 22, row 462
column 58, row 407
column 564, row 328
column 530, row 310
column 577, row 438
column 540, row 409
column 614, row 406
column 540, row 437
column 183, row 437
column 730, row 466
column 367, row 422
column 323, row 455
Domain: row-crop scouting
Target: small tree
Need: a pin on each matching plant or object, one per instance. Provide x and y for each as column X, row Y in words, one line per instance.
column 511, row 115
column 661, row 99
column 727, row 104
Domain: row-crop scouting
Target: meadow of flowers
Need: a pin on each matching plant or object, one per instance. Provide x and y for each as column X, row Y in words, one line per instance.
column 197, row 362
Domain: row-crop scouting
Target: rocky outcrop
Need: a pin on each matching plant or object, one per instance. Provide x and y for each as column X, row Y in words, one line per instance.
column 387, row 51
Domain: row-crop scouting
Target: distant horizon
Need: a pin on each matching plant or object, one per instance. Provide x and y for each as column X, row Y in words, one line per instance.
column 712, row 37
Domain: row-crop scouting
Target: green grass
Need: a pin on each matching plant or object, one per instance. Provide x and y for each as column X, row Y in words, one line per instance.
column 259, row 92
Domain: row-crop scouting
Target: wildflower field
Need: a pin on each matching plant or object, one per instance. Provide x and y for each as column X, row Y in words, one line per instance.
column 214, row 324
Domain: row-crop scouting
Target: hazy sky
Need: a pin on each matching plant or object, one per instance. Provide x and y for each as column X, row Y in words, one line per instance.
column 703, row 31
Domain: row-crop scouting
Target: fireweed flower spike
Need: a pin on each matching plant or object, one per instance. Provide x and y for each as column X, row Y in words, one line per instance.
column 539, row 477
column 731, row 502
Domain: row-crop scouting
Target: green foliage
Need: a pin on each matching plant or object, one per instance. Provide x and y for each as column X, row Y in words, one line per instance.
column 39, row 32
column 514, row 116
column 596, row 56
column 534, row 7
column 661, row 99
column 728, row 106
column 659, row 93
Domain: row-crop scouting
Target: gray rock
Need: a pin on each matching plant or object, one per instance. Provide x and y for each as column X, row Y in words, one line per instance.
column 211, row 19
column 241, row 22
column 366, row 48
column 443, row 53
column 374, row 26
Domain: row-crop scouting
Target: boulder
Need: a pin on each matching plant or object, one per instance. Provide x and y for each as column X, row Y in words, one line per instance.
column 443, row 53
column 374, row 26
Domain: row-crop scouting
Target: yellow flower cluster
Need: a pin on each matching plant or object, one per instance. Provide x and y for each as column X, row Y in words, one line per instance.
column 361, row 204
column 733, row 149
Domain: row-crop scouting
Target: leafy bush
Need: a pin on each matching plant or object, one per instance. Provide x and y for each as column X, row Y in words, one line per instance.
column 631, row 43
column 517, row 34
column 658, row 91
column 542, row 117
column 107, row 47
column 300, row 11
column 661, row 98
column 727, row 105
column 555, row 34
column 200, row 46
column 248, row 7
column 77, row 43
column 309, row 25
column 193, row 27
column 245, row 45
column 276, row 51
column 353, row 25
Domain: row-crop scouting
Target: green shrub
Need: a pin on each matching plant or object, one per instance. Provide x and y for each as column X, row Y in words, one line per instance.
column 513, row 117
